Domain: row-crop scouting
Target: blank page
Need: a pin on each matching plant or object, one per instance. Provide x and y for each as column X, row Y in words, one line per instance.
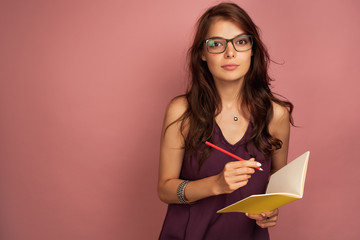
column 290, row 178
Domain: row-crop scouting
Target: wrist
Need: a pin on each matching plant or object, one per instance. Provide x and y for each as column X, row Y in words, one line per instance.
column 215, row 186
column 181, row 192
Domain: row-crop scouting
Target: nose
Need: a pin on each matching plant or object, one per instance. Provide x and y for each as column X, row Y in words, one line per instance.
column 230, row 51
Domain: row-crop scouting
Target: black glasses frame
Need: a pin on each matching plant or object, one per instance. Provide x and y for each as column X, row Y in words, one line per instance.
column 229, row 40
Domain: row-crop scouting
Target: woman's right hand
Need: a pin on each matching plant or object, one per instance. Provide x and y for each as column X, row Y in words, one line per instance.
column 235, row 174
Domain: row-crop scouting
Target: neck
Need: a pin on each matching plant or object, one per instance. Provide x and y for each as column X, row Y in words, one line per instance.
column 230, row 93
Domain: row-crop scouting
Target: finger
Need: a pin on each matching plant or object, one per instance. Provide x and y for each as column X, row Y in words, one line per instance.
column 257, row 217
column 239, row 178
column 247, row 163
column 272, row 213
column 237, row 167
column 268, row 221
column 267, row 224
column 228, row 171
column 244, row 170
column 237, row 175
column 240, row 172
column 234, row 186
column 262, row 217
column 242, row 180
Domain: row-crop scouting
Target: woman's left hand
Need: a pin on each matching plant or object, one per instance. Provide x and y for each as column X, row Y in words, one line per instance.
column 265, row 219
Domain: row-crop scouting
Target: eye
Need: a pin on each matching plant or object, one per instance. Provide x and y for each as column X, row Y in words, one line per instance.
column 215, row 43
column 242, row 41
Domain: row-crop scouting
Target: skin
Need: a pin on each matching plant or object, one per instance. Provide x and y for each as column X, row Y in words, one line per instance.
column 237, row 173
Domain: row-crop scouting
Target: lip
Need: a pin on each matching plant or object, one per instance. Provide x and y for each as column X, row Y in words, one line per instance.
column 230, row 66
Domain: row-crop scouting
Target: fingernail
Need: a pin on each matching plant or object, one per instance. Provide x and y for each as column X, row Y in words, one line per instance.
column 258, row 164
column 263, row 214
column 247, row 214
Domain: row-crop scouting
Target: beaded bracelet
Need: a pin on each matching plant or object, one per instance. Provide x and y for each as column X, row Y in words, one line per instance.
column 181, row 191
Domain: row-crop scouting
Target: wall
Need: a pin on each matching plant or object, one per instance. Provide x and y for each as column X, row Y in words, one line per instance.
column 83, row 88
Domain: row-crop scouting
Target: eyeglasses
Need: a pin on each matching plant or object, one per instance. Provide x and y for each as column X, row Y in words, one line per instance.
column 241, row 43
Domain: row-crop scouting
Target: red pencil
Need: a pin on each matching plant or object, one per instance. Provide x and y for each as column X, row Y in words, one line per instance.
column 228, row 153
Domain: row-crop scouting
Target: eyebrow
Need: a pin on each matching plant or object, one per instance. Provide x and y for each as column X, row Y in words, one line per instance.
column 215, row 37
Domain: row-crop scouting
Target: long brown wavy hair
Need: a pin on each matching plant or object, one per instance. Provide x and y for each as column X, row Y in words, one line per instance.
column 204, row 102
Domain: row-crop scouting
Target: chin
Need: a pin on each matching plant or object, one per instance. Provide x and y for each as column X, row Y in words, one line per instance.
column 232, row 78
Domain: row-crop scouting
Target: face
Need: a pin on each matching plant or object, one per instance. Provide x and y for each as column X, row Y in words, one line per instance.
column 230, row 65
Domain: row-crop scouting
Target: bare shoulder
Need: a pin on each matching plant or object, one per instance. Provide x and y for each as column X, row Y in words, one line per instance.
column 280, row 113
column 172, row 126
column 280, row 122
column 176, row 108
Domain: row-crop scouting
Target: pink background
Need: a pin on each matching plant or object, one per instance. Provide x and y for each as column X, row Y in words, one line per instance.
column 83, row 88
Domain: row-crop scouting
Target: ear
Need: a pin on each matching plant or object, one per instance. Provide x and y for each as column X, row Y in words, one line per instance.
column 203, row 57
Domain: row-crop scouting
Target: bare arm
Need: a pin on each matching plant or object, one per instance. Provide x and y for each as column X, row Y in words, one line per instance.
column 279, row 127
column 234, row 175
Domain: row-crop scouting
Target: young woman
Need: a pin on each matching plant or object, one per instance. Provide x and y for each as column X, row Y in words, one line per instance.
column 230, row 104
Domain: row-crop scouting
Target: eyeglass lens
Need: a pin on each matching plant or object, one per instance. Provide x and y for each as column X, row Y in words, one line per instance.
column 218, row 45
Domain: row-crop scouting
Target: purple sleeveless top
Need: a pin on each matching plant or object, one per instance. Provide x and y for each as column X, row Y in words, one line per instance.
column 199, row 220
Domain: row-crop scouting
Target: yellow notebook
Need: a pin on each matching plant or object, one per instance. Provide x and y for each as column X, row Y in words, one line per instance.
column 285, row 186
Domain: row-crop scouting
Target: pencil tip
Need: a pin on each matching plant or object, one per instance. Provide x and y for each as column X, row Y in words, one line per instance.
column 261, row 169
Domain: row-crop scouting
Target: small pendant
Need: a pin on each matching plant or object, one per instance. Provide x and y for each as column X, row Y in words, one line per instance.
column 235, row 118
